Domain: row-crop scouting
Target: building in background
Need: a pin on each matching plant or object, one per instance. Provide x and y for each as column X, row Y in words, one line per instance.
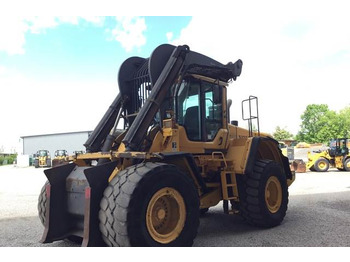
column 72, row 141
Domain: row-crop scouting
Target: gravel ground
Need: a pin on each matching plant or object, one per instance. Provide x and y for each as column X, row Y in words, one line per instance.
column 318, row 214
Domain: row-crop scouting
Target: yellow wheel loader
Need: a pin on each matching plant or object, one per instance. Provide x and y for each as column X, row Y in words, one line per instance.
column 61, row 158
column 42, row 159
column 177, row 156
column 337, row 156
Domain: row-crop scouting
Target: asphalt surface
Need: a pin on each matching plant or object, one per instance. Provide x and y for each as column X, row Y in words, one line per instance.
column 318, row 214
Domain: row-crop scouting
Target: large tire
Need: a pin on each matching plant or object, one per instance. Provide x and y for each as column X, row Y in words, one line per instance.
column 42, row 204
column 150, row 204
column 321, row 165
column 264, row 194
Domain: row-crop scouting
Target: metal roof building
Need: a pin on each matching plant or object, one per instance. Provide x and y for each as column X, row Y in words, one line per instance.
column 71, row 141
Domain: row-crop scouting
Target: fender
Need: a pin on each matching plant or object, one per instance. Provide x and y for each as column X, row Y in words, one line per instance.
column 267, row 148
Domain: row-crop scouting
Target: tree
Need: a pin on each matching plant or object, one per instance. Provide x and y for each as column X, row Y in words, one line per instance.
column 344, row 122
column 320, row 125
column 281, row 134
column 314, row 125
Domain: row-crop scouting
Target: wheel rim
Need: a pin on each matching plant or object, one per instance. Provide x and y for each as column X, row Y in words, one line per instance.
column 166, row 215
column 322, row 165
column 273, row 194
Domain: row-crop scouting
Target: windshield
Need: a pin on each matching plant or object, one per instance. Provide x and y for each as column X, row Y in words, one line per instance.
column 42, row 153
column 333, row 143
column 61, row 152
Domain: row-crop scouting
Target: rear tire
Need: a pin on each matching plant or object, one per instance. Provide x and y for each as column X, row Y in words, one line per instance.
column 42, row 213
column 264, row 194
column 321, row 165
column 150, row 204
column 347, row 165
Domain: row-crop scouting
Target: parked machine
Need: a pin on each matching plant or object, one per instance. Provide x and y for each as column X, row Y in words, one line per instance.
column 297, row 165
column 61, row 158
column 177, row 156
column 42, row 159
column 337, row 156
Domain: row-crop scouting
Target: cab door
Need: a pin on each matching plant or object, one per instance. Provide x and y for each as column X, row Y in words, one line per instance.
column 200, row 113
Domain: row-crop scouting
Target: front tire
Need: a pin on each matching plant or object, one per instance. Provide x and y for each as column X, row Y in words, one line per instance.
column 264, row 194
column 321, row 165
column 150, row 204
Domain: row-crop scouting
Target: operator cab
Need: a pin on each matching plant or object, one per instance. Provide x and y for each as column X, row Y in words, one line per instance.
column 198, row 103
column 339, row 147
column 42, row 153
column 59, row 153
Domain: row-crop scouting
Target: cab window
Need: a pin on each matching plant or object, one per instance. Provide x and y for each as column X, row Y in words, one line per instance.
column 199, row 109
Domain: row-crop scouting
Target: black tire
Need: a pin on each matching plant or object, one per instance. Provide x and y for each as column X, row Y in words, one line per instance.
column 321, row 165
column 263, row 194
column 133, row 193
column 42, row 204
column 347, row 165
column 42, row 211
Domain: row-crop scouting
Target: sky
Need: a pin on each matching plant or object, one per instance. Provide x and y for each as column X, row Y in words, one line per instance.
column 59, row 73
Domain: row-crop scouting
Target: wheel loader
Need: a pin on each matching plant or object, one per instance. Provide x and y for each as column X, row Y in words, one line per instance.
column 61, row 158
column 177, row 155
column 42, row 159
column 337, row 156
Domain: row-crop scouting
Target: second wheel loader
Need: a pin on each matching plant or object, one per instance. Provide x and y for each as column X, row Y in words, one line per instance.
column 42, row 159
column 177, row 156
column 337, row 156
column 61, row 158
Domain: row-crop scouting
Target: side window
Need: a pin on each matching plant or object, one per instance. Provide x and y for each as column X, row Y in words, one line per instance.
column 189, row 109
column 213, row 110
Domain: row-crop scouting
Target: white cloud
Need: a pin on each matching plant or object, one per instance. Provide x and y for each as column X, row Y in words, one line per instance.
column 12, row 37
column 38, row 24
column 13, row 29
column 169, row 36
column 3, row 70
column 129, row 32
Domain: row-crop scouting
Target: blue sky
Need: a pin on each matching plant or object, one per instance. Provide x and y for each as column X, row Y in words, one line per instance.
column 294, row 53
column 85, row 50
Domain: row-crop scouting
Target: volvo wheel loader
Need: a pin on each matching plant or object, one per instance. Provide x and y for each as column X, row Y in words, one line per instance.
column 42, row 159
column 337, row 156
column 177, row 156
column 61, row 158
